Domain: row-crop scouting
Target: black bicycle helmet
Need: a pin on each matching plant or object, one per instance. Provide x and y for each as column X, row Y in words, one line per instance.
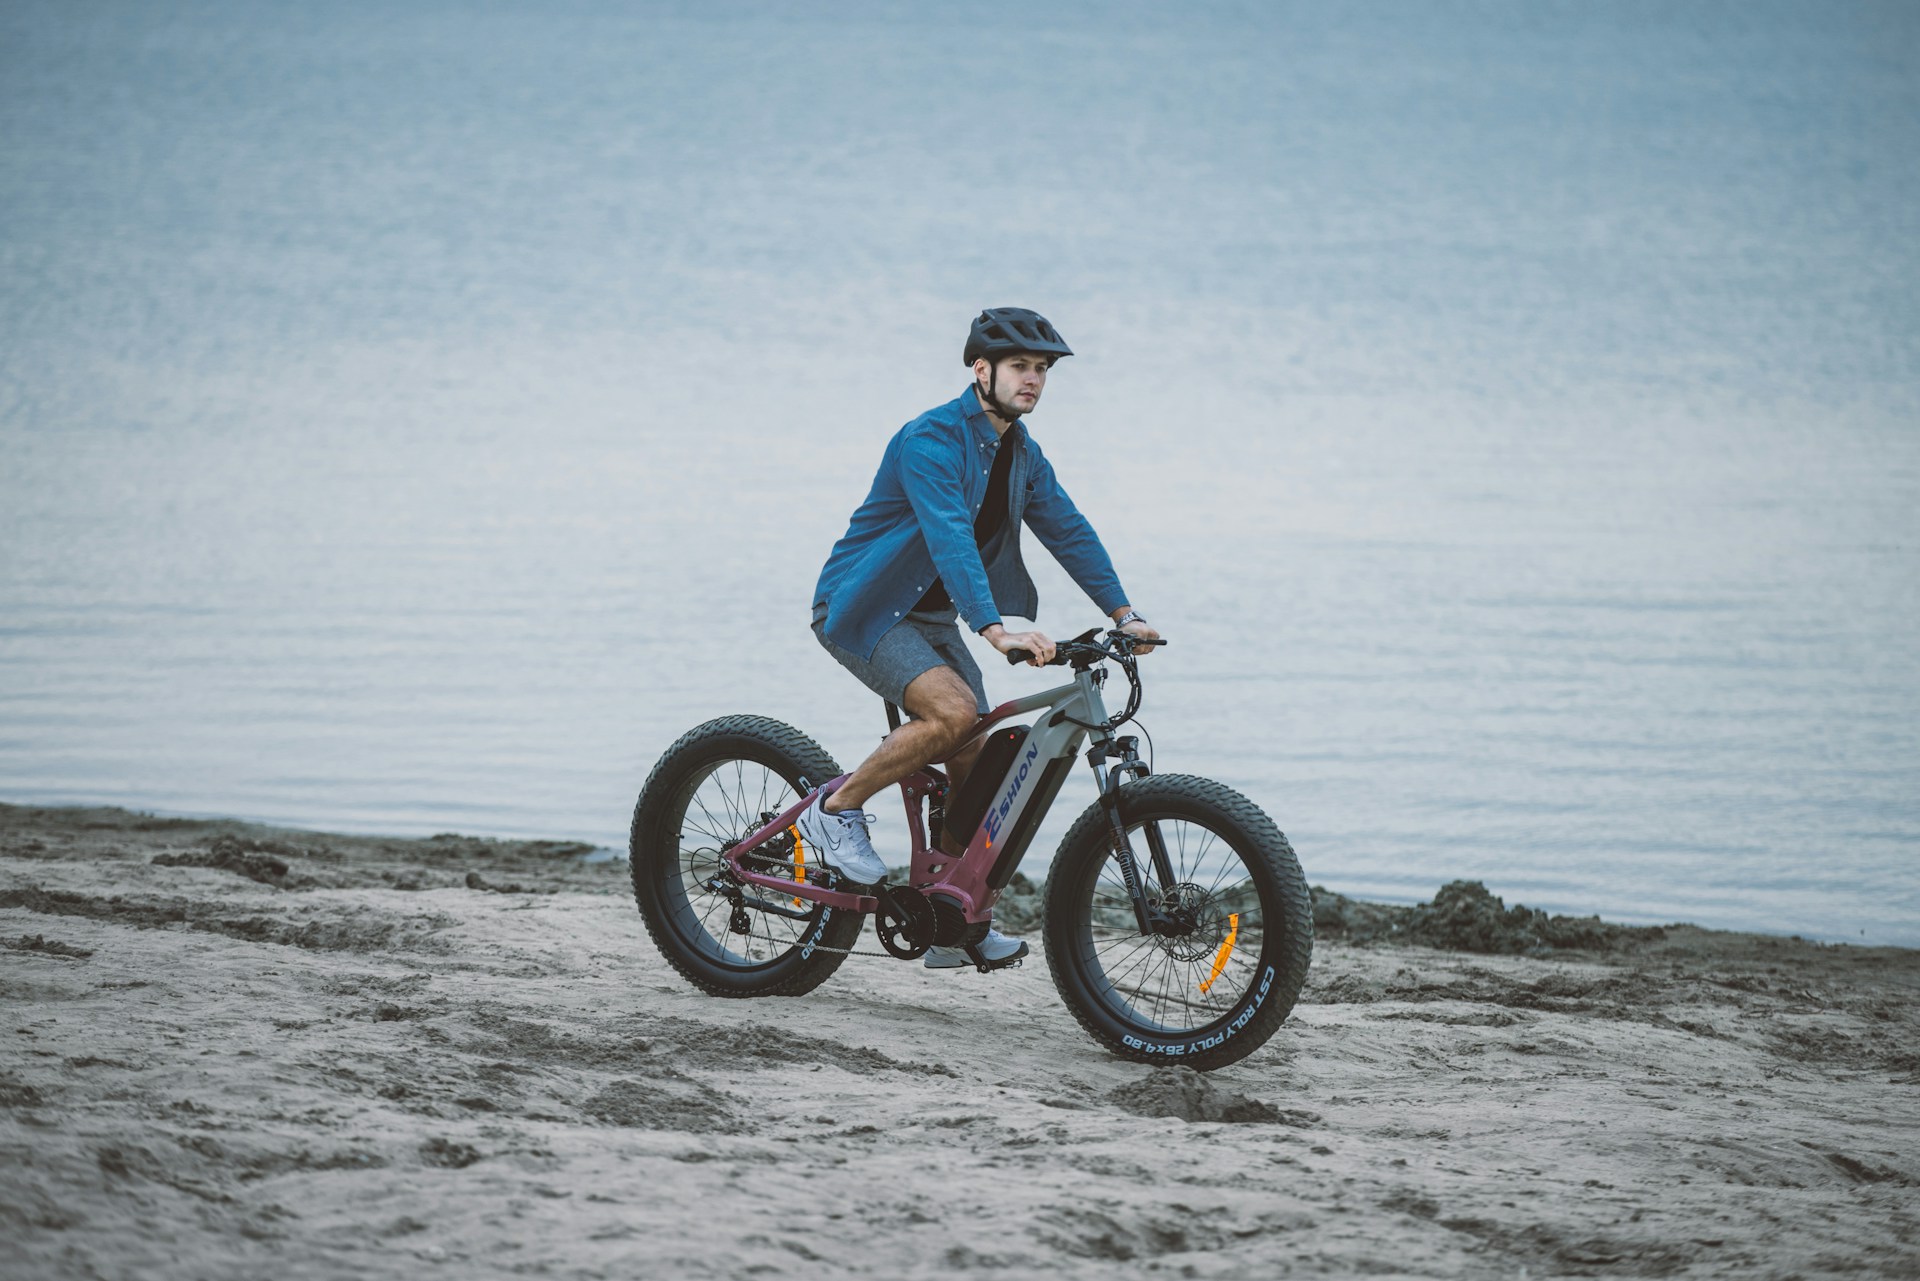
column 1001, row 331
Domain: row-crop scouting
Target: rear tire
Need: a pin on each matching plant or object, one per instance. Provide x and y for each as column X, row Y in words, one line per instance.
column 718, row 784
column 1216, row 991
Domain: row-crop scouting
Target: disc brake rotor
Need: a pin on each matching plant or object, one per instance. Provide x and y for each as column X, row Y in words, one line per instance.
column 1200, row 925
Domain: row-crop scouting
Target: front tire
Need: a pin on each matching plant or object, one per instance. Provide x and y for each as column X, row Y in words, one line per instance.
column 721, row 782
column 1216, row 987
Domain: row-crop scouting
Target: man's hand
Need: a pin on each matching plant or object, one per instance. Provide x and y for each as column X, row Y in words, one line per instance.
column 1138, row 627
column 1035, row 643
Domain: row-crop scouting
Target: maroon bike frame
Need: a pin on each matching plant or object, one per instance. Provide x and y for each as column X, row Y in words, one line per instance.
column 963, row 878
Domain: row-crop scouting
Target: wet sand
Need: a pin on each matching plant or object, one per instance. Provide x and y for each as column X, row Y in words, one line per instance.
column 235, row 1051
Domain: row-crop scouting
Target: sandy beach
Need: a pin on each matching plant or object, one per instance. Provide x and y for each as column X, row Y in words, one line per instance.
column 237, row 1051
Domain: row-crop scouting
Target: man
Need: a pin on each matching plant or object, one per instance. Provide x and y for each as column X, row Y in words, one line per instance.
column 938, row 539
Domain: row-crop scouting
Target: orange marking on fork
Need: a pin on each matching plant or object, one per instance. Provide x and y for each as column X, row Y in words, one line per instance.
column 1226, row 950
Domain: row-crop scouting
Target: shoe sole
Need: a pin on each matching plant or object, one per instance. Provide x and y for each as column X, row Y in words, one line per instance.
column 966, row 963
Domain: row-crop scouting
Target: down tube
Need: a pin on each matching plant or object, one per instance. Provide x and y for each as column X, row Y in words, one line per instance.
column 1049, row 753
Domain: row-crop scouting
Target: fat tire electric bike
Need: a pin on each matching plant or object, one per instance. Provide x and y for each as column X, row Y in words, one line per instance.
column 1177, row 923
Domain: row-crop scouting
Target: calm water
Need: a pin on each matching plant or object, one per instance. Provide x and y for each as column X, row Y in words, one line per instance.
column 412, row 419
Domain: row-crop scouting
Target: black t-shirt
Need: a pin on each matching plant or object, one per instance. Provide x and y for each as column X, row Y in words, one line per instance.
column 992, row 517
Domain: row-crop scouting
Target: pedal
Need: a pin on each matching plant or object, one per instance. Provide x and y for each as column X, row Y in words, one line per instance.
column 986, row 966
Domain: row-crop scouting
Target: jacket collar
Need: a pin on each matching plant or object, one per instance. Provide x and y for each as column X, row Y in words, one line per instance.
column 979, row 423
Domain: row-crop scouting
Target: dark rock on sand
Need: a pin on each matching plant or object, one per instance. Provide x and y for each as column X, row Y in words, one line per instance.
column 47, row 946
column 1466, row 917
column 255, row 860
column 448, row 1155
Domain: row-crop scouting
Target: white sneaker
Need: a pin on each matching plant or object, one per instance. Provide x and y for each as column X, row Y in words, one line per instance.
column 996, row 949
column 840, row 841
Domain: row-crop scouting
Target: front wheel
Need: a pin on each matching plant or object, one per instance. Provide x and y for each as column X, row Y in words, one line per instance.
column 1219, row 969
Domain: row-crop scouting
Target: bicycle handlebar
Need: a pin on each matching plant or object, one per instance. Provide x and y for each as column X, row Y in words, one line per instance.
column 1083, row 651
column 1085, row 647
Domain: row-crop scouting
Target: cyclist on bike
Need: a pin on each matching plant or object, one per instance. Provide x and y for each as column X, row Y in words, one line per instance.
column 938, row 539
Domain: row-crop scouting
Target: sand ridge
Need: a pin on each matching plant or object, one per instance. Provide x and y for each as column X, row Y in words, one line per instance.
column 232, row 1050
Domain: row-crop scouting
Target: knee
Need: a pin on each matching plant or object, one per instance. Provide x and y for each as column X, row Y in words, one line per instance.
column 955, row 720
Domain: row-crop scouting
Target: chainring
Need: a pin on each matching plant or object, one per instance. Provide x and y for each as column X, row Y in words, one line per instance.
column 904, row 922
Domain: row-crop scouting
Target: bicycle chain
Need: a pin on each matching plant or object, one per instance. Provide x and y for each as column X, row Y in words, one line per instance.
column 832, row 883
column 852, row 951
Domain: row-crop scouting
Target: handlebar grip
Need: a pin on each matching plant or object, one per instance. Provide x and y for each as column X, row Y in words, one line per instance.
column 1015, row 657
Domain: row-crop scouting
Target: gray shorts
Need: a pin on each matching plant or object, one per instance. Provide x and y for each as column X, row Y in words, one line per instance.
column 919, row 642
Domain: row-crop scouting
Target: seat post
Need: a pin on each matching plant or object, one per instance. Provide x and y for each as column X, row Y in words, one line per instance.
column 893, row 716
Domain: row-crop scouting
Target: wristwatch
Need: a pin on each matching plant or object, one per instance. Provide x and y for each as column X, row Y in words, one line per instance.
column 1131, row 616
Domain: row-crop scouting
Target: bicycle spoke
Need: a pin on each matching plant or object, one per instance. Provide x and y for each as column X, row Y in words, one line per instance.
column 718, row 808
column 719, row 827
column 1132, row 961
column 1147, row 955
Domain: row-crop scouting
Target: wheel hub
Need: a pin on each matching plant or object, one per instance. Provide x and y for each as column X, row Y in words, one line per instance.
column 1186, row 922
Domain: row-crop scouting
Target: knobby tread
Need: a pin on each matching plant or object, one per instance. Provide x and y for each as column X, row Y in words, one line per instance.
column 1088, row 838
column 728, row 738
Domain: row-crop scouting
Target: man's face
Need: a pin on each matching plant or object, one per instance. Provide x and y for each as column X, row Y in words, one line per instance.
column 1018, row 379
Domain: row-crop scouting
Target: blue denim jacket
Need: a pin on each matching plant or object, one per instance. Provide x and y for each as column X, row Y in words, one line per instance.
column 917, row 522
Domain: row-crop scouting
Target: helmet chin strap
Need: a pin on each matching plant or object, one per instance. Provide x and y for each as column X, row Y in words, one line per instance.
column 994, row 402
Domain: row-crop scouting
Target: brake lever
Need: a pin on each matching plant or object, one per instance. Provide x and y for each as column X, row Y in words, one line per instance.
column 1118, row 637
column 1060, row 658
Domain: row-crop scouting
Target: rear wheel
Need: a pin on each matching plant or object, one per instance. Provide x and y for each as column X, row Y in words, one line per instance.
column 721, row 782
column 1220, row 971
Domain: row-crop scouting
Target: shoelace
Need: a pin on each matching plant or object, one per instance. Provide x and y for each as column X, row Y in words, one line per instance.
column 844, row 817
column 847, row 823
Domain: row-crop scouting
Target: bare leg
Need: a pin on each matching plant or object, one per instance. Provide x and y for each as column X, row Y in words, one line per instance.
column 943, row 714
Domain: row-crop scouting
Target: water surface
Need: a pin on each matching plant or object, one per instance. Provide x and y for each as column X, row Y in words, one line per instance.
column 413, row 420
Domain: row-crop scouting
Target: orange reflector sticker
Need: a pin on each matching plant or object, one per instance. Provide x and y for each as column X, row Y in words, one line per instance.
column 1226, row 950
column 799, row 862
